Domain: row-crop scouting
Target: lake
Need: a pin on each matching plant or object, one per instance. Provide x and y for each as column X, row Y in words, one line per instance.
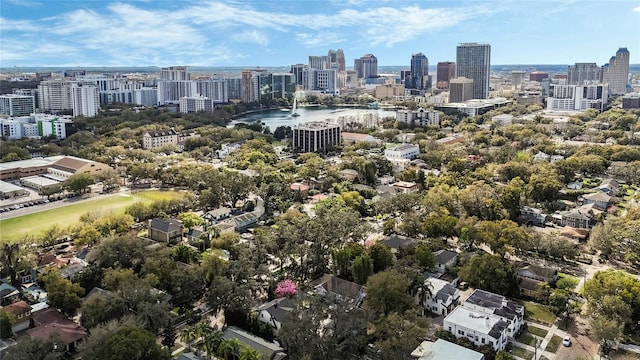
column 275, row 118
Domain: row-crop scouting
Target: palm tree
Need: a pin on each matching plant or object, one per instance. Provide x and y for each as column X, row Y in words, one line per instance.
column 210, row 342
column 229, row 348
column 189, row 334
column 247, row 353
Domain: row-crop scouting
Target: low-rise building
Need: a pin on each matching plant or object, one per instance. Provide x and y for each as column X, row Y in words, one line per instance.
column 316, row 136
column 419, row 117
column 165, row 230
column 405, row 186
column 441, row 297
column 599, row 199
column 268, row 350
column 404, row 151
column 50, row 324
column 159, row 138
column 489, row 303
column 444, row 350
column 445, row 259
column 227, row 148
column 274, row 312
column 21, row 312
column 340, row 289
column 478, row 327
column 397, row 242
column 216, row 215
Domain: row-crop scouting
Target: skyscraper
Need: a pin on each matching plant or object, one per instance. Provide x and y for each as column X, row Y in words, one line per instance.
column 616, row 72
column 473, row 61
column 336, row 59
column 580, row 73
column 419, row 72
column 366, row 66
column 318, row 62
column 175, row 73
column 446, row 71
column 461, row 89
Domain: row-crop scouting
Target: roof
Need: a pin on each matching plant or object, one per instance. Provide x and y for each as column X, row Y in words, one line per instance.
column 219, row 212
column 159, row 133
column 97, row 292
column 336, row 285
column 279, row 308
column 195, row 233
column 71, row 270
column 404, row 147
column 444, row 350
column 572, row 232
column 50, row 322
column 6, row 187
column 268, row 349
column 7, row 289
column 16, row 308
column 168, row 225
column 537, row 270
column 71, row 163
column 529, row 284
column 483, row 323
column 189, row 356
column 20, row 164
column 397, row 241
column 598, row 196
column 444, row 256
column 296, row 186
column 495, row 304
column 440, row 289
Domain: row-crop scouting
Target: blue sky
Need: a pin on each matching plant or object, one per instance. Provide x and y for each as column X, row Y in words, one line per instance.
column 275, row 33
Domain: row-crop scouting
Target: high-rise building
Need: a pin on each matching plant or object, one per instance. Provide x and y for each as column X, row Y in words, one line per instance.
column 29, row 92
column 327, row 80
column 193, row 104
column 517, row 78
column 582, row 73
column 214, row 89
column 319, row 62
column 250, row 84
column 283, row 85
column 171, row 91
column 419, row 72
column 336, row 59
column 538, row 76
column 316, row 136
column 366, row 66
column 55, row 95
column 296, row 70
column 616, row 72
column 85, row 99
column 446, row 70
column 309, row 76
column 473, row 61
column 146, row 96
column 234, row 88
column 175, row 73
column 578, row 97
column 460, row 89
column 17, row 105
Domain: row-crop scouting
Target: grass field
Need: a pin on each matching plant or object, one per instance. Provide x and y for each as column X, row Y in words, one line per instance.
column 553, row 344
column 522, row 353
column 538, row 313
column 33, row 224
column 537, row 331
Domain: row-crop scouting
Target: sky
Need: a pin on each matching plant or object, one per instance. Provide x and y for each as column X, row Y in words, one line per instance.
column 280, row 33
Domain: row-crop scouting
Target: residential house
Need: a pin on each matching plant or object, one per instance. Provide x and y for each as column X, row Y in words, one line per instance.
column 397, row 242
column 70, row 270
column 243, row 221
column 228, row 148
column 490, row 303
column 405, row 186
column 532, row 216
column 445, row 259
column 21, row 312
column 189, row 356
column 165, row 230
column 609, row 187
column 600, row 199
column 530, row 277
column 274, row 312
column 343, row 290
column 51, row 324
column 216, row 215
column 8, row 294
column 441, row 297
column 303, row 189
column 541, row 156
column 226, row 227
column 268, row 350
column 577, row 219
column 444, row 350
column 193, row 235
column 349, row 174
column 478, row 327
column 574, row 233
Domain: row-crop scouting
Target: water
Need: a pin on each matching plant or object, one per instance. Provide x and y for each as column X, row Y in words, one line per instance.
column 275, row 118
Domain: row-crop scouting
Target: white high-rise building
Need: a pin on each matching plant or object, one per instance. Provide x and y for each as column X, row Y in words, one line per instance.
column 146, row 96
column 327, row 80
column 85, row 99
column 55, row 95
column 171, row 91
column 215, row 89
column 316, row 136
column 473, row 61
column 616, row 72
column 194, row 104
column 578, row 97
column 17, row 105
column 175, row 73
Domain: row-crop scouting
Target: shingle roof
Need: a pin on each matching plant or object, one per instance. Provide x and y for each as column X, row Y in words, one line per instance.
column 444, row 256
column 16, row 308
column 52, row 323
column 267, row 349
column 336, row 285
column 497, row 304
column 166, row 226
column 397, row 241
column 538, row 270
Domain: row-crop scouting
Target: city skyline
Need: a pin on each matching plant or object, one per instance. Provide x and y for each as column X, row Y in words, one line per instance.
column 222, row 33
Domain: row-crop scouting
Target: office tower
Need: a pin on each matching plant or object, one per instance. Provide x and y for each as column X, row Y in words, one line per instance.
column 234, row 88
column 405, row 76
column 460, row 89
column 316, row 136
column 85, row 99
column 327, row 80
column 17, row 105
column 538, row 76
column 250, row 84
column 419, row 72
column 296, row 70
column 473, row 61
column 309, row 76
column 517, row 78
column 175, row 73
column 340, row 61
column 584, row 72
column 616, row 72
column 318, row 62
column 366, row 66
column 446, row 71
column 578, row 97
column 55, row 95
column 283, row 85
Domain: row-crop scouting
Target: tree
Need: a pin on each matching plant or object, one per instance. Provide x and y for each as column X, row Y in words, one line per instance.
column 613, row 295
column 236, row 186
column 285, row 288
column 397, row 335
column 14, row 258
column 169, row 335
column 362, row 268
column 606, row 331
column 381, row 256
column 119, row 251
column 88, row 235
column 33, row 349
column 62, row 293
column 424, row 256
column 78, row 183
column 124, row 343
column 387, row 292
column 190, row 220
column 6, row 330
column 491, row 273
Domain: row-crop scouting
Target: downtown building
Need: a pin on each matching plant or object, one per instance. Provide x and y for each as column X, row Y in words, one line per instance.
column 446, row 70
column 366, row 66
column 17, row 105
column 194, row 104
column 616, row 72
column 473, row 61
column 419, row 76
column 316, row 136
column 582, row 73
column 460, row 89
column 578, row 97
column 85, row 100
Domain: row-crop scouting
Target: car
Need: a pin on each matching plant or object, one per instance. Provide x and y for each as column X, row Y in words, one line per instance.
column 566, row 341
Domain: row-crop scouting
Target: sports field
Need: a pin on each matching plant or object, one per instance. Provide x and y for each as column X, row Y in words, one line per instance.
column 33, row 224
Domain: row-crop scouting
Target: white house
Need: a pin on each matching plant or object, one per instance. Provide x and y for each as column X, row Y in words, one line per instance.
column 227, row 148
column 404, row 151
column 444, row 350
column 445, row 259
column 441, row 298
column 493, row 304
column 274, row 312
column 478, row 327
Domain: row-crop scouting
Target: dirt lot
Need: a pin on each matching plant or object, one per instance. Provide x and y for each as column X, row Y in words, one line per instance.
column 582, row 347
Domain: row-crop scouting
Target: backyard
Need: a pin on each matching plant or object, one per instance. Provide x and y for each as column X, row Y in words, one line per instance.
column 538, row 313
column 33, row 224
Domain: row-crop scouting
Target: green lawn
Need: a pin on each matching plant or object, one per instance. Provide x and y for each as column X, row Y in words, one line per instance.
column 522, row 353
column 537, row 331
column 538, row 313
column 33, row 224
column 527, row 339
column 553, row 344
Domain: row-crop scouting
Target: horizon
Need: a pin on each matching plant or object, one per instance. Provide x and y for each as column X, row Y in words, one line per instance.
column 212, row 33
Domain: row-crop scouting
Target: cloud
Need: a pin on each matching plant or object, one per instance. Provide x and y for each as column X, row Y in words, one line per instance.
column 636, row 9
column 251, row 37
column 559, row 7
column 325, row 39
